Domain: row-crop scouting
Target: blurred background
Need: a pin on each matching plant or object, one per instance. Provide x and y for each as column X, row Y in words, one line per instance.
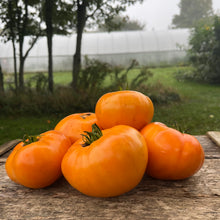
column 58, row 57
column 158, row 14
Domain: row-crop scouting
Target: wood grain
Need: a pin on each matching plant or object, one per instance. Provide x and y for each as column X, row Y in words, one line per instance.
column 8, row 146
column 214, row 136
column 197, row 197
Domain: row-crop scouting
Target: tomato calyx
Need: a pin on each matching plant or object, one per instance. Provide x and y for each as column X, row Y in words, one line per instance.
column 28, row 139
column 92, row 136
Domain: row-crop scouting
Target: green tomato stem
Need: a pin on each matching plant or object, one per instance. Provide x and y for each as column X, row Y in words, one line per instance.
column 92, row 136
column 28, row 139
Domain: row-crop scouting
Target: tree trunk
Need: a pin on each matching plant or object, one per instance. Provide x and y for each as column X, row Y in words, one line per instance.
column 21, row 74
column 49, row 30
column 21, row 66
column 50, row 63
column 81, row 21
column 15, row 65
column 77, row 61
column 1, row 80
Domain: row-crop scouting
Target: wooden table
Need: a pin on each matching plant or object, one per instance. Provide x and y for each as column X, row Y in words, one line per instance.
column 195, row 198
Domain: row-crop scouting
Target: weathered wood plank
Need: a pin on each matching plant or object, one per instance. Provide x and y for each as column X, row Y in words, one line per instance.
column 210, row 148
column 214, row 136
column 197, row 197
column 8, row 146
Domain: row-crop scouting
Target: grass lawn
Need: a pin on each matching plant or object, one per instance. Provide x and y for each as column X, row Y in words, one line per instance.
column 197, row 113
column 199, row 110
column 15, row 127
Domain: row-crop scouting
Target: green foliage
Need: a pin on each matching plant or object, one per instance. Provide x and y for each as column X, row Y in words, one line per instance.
column 197, row 113
column 184, row 75
column 102, row 11
column 141, row 78
column 96, row 78
column 204, row 53
column 191, row 12
column 59, row 13
column 18, row 19
column 90, row 81
column 160, row 94
column 92, row 75
column 120, row 77
column 39, row 82
column 122, row 23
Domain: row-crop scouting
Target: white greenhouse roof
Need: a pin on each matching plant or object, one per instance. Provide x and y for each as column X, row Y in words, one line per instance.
column 108, row 43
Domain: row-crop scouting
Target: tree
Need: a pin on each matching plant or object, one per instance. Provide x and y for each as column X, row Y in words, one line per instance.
column 19, row 20
column 57, row 16
column 122, row 24
column 27, row 25
column 90, row 12
column 192, row 11
column 9, row 32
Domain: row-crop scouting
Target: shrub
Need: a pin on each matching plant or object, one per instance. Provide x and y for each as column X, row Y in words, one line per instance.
column 185, row 74
column 160, row 94
column 95, row 79
column 204, row 53
column 119, row 77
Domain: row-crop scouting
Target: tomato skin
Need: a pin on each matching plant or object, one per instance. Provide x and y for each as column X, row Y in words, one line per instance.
column 124, row 108
column 110, row 166
column 172, row 155
column 74, row 125
column 38, row 164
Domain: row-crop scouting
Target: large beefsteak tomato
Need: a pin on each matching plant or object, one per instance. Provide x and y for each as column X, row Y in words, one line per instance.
column 38, row 164
column 112, row 164
column 124, row 108
column 172, row 154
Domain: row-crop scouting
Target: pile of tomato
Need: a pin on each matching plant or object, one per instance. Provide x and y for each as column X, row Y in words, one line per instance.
column 106, row 153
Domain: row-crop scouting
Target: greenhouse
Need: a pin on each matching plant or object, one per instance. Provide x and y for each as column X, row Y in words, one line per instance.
column 117, row 48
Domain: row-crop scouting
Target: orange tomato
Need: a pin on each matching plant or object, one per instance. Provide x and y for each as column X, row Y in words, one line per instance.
column 111, row 165
column 38, row 164
column 124, row 108
column 74, row 125
column 172, row 155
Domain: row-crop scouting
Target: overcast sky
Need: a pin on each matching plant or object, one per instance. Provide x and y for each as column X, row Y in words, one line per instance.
column 158, row 14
